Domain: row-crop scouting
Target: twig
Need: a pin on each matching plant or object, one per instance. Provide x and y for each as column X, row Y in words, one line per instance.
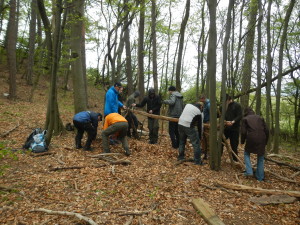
column 65, row 213
column 295, row 174
column 66, row 168
column 41, row 154
column 5, row 134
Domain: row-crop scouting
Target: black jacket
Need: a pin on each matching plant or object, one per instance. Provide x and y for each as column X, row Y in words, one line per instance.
column 153, row 102
column 234, row 112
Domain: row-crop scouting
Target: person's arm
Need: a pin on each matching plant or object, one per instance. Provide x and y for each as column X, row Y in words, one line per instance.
column 243, row 131
column 143, row 103
column 171, row 100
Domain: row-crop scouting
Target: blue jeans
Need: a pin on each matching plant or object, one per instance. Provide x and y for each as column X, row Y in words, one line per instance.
column 259, row 174
column 192, row 134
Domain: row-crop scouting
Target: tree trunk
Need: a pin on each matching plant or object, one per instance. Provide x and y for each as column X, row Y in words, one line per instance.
column 215, row 157
column 181, row 42
column 278, row 94
column 258, row 93
column 154, row 45
column 32, row 35
column 80, row 103
column 128, row 52
column 141, row 50
column 247, row 66
column 11, row 50
column 224, row 75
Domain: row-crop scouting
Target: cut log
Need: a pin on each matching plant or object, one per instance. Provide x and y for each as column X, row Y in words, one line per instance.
column 273, row 199
column 261, row 191
column 206, row 212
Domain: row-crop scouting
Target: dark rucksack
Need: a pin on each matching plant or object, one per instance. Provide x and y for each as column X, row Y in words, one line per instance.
column 36, row 141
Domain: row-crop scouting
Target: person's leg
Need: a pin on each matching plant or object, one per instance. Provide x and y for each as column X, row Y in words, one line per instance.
column 105, row 136
column 260, row 175
column 92, row 132
column 194, row 138
column 249, row 170
column 176, row 134
column 172, row 127
column 150, row 128
column 234, row 142
column 182, row 142
column 155, row 131
column 122, row 127
column 79, row 135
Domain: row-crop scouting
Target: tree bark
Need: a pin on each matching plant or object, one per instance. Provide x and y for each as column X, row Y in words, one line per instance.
column 215, row 156
column 11, row 50
column 80, row 103
column 141, row 50
column 278, row 94
column 154, row 45
column 181, row 42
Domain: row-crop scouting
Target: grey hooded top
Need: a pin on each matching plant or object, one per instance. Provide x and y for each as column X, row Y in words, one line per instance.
column 175, row 103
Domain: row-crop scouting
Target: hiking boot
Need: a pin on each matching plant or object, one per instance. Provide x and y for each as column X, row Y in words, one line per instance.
column 78, row 146
column 127, row 152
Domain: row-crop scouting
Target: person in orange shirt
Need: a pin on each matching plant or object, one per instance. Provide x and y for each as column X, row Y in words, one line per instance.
column 115, row 124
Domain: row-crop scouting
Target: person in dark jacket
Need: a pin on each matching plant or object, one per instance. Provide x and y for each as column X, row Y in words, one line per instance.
column 112, row 103
column 206, row 108
column 131, row 117
column 175, row 103
column 86, row 121
column 233, row 118
column 255, row 133
column 153, row 102
column 190, row 117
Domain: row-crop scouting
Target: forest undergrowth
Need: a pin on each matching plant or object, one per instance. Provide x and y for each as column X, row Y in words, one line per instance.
column 149, row 187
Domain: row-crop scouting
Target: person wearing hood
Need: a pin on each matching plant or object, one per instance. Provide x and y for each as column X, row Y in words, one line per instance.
column 175, row 103
column 112, row 103
column 86, row 121
column 153, row 103
column 130, row 117
column 255, row 133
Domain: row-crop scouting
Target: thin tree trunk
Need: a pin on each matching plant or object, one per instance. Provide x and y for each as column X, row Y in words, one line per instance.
column 141, row 50
column 154, row 45
column 11, row 50
column 278, row 94
column 215, row 157
column 181, row 42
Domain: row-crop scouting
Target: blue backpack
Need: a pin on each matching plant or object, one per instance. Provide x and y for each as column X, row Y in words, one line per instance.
column 36, row 141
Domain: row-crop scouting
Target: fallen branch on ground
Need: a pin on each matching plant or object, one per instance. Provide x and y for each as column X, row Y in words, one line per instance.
column 76, row 167
column 41, row 154
column 283, row 163
column 280, row 177
column 11, row 130
column 65, row 213
column 250, row 189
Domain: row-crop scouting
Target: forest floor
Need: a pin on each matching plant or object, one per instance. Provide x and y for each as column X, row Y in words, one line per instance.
column 153, row 189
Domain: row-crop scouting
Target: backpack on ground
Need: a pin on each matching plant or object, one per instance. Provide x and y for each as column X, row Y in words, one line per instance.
column 36, row 141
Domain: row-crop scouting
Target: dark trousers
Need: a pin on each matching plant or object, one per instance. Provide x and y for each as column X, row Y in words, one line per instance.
column 192, row 134
column 233, row 136
column 174, row 135
column 132, row 124
column 121, row 129
column 153, row 127
column 91, row 131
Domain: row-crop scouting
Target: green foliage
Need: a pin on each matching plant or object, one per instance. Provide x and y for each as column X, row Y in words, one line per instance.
column 4, row 153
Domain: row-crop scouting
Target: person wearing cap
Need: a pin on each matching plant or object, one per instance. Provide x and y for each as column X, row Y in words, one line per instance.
column 153, row 103
column 86, row 121
column 233, row 118
column 112, row 103
column 115, row 124
column 130, row 117
column 189, row 119
column 175, row 103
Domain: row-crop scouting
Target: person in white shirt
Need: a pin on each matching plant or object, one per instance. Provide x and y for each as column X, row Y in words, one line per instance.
column 191, row 117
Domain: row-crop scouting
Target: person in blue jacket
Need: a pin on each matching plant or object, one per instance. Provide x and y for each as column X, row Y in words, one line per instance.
column 112, row 103
column 86, row 121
